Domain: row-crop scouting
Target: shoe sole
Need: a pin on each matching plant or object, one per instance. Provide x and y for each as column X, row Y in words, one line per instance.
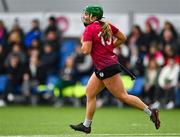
column 79, row 130
column 157, row 122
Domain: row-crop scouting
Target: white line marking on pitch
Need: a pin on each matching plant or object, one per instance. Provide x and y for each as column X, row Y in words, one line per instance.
column 81, row 135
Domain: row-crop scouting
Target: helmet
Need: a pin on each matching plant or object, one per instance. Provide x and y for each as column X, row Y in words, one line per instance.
column 95, row 10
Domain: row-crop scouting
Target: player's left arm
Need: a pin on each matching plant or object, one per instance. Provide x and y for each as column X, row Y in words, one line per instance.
column 119, row 39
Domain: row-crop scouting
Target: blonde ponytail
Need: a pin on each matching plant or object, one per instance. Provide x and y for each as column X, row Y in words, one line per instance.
column 106, row 30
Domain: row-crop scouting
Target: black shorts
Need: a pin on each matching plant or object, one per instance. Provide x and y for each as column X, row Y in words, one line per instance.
column 108, row 71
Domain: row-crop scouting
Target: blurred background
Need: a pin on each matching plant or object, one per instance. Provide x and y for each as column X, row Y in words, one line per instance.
column 41, row 61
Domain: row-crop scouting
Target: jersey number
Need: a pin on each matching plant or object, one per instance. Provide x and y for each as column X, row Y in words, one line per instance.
column 103, row 42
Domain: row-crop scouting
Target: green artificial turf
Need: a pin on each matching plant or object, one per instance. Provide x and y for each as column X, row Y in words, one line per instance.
column 49, row 121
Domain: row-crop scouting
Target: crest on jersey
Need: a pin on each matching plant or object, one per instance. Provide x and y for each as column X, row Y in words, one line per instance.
column 101, row 74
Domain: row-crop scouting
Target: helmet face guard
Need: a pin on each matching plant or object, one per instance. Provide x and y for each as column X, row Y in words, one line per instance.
column 92, row 11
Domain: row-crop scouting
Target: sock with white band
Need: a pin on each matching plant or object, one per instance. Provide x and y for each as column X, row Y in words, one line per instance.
column 87, row 122
column 148, row 111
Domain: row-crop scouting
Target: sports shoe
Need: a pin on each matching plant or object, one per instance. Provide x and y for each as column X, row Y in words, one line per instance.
column 82, row 128
column 155, row 118
column 170, row 105
column 155, row 105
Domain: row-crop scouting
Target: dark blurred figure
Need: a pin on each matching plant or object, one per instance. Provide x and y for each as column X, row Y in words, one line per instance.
column 83, row 63
column 67, row 78
column 136, row 45
column 14, row 71
column 168, row 79
column 68, row 74
column 37, row 44
column 169, row 26
column 150, row 36
column 16, row 35
column 168, row 52
column 49, row 59
column 2, row 59
column 33, row 76
column 16, row 49
column 155, row 53
column 2, row 76
column 178, row 92
column 3, row 33
column 33, row 52
column 169, row 36
column 151, row 81
column 136, row 38
column 33, row 34
column 123, row 53
column 52, row 25
column 53, row 33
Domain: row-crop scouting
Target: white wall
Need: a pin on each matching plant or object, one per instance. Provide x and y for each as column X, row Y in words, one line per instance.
column 132, row 8
column 70, row 23
column 1, row 8
column 117, row 6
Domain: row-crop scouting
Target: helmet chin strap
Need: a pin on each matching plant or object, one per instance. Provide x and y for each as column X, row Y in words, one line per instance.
column 91, row 21
column 85, row 24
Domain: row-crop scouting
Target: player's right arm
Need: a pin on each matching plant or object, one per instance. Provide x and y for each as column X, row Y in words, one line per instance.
column 86, row 47
column 87, row 41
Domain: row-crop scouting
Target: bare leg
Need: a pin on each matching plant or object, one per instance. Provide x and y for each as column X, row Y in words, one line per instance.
column 115, row 86
column 93, row 87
